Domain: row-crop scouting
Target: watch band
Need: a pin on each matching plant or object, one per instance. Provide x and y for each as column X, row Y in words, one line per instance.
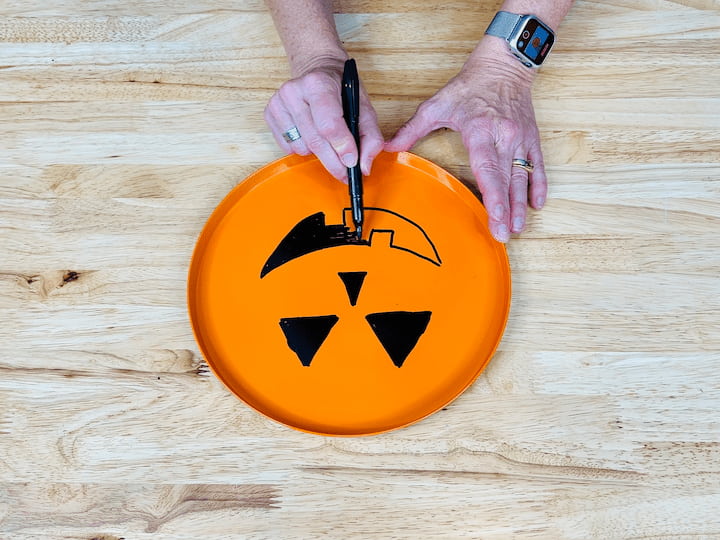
column 503, row 24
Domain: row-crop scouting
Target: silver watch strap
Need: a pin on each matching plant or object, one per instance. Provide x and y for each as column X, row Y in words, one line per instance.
column 503, row 24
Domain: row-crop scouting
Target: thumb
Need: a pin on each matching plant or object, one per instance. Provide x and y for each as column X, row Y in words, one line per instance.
column 414, row 129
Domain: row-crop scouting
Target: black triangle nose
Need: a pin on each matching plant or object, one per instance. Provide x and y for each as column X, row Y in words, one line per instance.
column 353, row 283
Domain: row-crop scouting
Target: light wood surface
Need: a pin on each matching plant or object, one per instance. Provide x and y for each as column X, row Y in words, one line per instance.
column 123, row 124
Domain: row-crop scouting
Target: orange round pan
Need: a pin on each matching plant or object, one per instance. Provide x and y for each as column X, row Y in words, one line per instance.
column 338, row 336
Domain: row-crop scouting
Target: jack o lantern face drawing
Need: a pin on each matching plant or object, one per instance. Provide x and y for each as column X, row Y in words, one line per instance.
column 397, row 331
column 334, row 335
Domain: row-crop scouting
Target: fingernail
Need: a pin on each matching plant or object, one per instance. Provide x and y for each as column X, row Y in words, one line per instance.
column 368, row 169
column 498, row 212
column 518, row 223
column 540, row 202
column 503, row 235
column 349, row 160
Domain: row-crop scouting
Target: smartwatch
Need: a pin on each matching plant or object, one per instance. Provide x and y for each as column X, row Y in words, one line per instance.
column 529, row 39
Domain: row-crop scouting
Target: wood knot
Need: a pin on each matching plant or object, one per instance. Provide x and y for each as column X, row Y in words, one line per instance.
column 69, row 276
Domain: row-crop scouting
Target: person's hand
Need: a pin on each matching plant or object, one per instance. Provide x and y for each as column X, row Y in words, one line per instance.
column 490, row 104
column 312, row 103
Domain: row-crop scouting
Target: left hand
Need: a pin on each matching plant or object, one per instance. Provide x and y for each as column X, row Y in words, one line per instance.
column 490, row 104
column 311, row 103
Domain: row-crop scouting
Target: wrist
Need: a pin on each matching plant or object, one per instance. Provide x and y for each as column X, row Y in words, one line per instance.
column 493, row 55
column 329, row 58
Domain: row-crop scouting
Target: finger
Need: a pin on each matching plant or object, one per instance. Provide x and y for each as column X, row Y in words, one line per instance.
column 518, row 195
column 371, row 139
column 327, row 113
column 493, row 181
column 538, row 179
column 315, row 142
column 280, row 121
column 414, row 129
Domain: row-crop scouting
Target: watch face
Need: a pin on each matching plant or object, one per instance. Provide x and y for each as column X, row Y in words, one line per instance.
column 535, row 41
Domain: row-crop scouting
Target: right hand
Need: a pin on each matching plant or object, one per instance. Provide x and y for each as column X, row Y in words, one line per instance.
column 313, row 104
column 490, row 104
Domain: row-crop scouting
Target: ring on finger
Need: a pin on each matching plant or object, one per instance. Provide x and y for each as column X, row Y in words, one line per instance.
column 523, row 164
column 292, row 134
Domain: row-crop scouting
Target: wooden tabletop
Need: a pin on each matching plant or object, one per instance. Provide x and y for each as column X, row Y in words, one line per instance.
column 123, row 125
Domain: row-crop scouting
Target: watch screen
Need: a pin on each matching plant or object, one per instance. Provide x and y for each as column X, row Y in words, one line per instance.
column 535, row 41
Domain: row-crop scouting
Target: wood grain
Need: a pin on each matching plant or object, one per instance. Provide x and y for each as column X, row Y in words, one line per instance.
column 123, row 124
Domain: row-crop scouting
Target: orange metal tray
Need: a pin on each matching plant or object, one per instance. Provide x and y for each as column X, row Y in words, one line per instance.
column 333, row 336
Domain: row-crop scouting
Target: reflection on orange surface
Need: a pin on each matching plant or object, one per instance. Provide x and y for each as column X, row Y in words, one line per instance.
column 332, row 335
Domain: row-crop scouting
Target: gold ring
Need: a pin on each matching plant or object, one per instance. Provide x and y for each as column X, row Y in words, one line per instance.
column 523, row 164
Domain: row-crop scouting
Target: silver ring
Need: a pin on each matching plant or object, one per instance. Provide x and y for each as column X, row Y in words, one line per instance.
column 291, row 134
column 523, row 164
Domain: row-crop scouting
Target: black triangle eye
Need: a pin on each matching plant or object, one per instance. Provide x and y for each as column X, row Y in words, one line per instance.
column 305, row 335
column 399, row 331
column 353, row 282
